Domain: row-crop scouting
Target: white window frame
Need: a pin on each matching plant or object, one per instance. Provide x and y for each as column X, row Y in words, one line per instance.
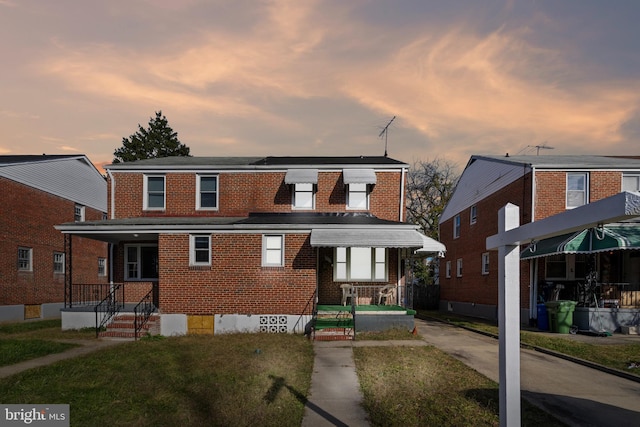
column 58, row 263
column 459, row 267
column 584, row 191
column 194, row 250
column 456, row 226
column 138, row 262
column 273, row 250
column 473, row 214
column 25, row 259
column 357, row 189
column 199, row 192
column 344, row 268
column 78, row 213
column 147, row 193
column 303, row 189
column 447, row 270
column 485, row 263
column 636, row 178
column 102, row 267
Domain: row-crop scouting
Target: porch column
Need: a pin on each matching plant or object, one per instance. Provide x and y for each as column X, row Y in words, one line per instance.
column 509, row 319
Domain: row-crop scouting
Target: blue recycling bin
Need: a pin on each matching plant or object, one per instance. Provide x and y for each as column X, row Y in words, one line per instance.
column 543, row 317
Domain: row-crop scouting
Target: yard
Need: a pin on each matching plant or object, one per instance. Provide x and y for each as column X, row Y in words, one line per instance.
column 247, row 379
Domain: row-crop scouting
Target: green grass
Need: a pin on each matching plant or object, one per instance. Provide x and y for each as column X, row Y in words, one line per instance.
column 616, row 356
column 422, row 386
column 18, row 350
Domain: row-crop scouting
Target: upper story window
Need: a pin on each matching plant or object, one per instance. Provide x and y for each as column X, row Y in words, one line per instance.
column 200, row 250
column 361, row 264
column 273, row 250
column 358, row 182
column 577, row 189
column 58, row 262
column 473, row 214
column 303, row 196
column 154, row 192
column 141, row 262
column 631, row 181
column 78, row 213
column 456, row 226
column 25, row 262
column 207, row 192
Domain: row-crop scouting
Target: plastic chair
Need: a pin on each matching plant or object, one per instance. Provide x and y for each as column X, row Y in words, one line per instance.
column 388, row 293
column 347, row 292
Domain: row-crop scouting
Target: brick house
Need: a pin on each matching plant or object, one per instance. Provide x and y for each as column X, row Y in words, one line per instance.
column 245, row 243
column 38, row 192
column 542, row 186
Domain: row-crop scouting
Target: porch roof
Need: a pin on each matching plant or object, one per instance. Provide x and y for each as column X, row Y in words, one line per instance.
column 358, row 237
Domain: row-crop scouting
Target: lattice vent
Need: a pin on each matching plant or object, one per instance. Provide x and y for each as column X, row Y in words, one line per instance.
column 273, row 324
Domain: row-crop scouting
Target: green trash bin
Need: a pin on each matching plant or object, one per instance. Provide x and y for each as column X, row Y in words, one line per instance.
column 560, row 315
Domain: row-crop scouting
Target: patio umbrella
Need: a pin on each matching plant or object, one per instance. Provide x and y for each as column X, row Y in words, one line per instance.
column 615, row 236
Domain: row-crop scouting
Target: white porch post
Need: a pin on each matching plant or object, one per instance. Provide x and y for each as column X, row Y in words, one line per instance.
column 509, row 319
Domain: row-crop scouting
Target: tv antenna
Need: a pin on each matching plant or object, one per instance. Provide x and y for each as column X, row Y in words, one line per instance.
column 385, row 132
column 544, row 146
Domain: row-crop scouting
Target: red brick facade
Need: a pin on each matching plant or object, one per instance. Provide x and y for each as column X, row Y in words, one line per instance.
column 27, row 220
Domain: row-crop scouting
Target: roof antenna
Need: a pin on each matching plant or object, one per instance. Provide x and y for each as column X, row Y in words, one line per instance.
column 544, row 146
column 385, row 132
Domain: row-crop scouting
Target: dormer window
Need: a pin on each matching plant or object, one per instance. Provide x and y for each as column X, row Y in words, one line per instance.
column 303, row 187
column 359, row 183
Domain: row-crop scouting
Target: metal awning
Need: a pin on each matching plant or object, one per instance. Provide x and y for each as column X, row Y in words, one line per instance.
column 430, row 245
column 611, row 237
column 366, row 238
column 359, row 176
column 301, row 176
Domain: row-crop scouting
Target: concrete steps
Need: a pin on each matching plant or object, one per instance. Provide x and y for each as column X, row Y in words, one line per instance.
column 122, row 326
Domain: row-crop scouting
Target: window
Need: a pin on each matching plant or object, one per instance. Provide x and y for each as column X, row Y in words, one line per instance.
column 358, row 196
column 473, row 214
column 485, row 263
column 154, row 192
column 303, row 196
column 141, row 262
column 447, row 271
column 362, row 264
column 576, row 189
column 24, row 259
column 459, row 267
column 58, row 262
column 456, row 226
column 273, row 250
column 566, row 266
column 631, row 182
column 199, row 250
column 78, row 215
column 102, row 267
column 207, row 192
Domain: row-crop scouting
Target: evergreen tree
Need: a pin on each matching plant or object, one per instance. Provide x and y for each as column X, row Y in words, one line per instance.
column 158, row 140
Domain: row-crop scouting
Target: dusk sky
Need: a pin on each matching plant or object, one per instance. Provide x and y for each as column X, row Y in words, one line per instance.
column 301, row 78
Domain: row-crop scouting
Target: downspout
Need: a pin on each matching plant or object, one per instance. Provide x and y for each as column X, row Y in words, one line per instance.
column 399, row 250
column 402, row 195
column 113, row 192
column 533, row 300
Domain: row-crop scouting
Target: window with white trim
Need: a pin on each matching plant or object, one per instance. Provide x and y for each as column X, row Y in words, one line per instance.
column 485, row 263
column 154, row 192
column 78, row 213
column 58, row 262
column 459, row 267
column 360, row 264
column 272, row 250
column 200, row 250
column 25, row 261
column 456, row 226
column 447, row 270
column 577, row 189
column 141, row 262
column 358, row 196
column 631, row 181
column 473, row 214
column 207, row 192
column 303, row 196
column 102, row 267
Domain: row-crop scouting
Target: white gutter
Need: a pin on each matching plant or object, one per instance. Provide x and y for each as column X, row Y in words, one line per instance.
column 113, row 193
column 402, row 195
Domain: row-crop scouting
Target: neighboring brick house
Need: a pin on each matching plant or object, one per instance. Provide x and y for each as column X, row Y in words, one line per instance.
column 38, row 192
column 234, row 244
column 541, row 186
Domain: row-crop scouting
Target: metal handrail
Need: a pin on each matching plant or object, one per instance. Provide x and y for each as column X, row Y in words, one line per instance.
column 108, row 307
column 145, row 307
column 306, row 307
